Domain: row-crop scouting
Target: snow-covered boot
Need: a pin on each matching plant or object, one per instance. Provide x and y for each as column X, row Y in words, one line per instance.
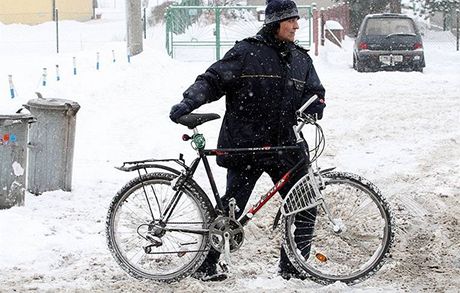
column 209, row 274
column 286, row 270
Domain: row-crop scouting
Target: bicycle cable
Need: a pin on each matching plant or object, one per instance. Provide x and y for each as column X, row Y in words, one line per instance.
column 320, row 143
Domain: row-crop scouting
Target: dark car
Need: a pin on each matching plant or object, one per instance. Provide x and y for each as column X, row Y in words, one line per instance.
column 388, row 42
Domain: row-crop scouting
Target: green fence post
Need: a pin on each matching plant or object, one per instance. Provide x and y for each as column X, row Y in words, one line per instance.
column 217, row 33
column 172, row 27
column 167, row 16
column 310, row 22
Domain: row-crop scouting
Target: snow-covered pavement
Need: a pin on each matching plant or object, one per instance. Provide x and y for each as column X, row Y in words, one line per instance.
column 401, row 130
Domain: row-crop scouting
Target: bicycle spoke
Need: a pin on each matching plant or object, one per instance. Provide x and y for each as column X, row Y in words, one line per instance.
column 141, row 204
column 137, row 216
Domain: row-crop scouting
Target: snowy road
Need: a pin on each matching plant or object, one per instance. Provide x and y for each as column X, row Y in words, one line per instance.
column 401, row 130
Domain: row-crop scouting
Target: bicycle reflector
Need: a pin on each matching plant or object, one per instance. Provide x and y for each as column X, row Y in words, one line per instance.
column 321, row 257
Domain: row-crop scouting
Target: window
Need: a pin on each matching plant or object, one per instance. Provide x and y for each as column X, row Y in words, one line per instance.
column 386, row 26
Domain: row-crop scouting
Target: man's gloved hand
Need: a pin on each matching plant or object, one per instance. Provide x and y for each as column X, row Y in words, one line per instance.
column 178, row 111
column 317, row 107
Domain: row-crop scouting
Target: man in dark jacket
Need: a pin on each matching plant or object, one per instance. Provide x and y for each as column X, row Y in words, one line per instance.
column 265, row 79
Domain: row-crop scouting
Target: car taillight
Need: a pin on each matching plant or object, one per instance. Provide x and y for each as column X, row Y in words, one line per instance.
column 418, row 46
column 363, row 46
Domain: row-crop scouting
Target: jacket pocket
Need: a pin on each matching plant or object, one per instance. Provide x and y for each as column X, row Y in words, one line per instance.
column 299, row 87
column 297, row 93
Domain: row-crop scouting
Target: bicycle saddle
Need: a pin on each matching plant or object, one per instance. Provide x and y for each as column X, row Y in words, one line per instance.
column 192, row 120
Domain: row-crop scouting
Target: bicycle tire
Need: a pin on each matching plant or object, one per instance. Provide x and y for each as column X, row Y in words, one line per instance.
column 356, row 252
column 181, row 253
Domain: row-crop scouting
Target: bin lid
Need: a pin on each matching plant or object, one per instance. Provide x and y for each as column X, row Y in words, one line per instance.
column 54, row 104
column 13, row 117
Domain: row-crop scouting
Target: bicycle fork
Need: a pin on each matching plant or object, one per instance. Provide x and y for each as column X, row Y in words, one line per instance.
column 318, row 185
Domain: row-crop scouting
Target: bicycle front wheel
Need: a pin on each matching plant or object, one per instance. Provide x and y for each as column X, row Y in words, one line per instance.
column 149, row 249
column 353, row 243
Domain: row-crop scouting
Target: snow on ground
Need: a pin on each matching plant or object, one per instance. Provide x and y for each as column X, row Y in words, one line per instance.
column 401, row 130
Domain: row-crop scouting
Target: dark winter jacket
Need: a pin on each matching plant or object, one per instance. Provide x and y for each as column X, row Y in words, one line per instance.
column 265, row 81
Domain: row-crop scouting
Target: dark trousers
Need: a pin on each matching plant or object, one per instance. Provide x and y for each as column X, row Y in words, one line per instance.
column 240, row 184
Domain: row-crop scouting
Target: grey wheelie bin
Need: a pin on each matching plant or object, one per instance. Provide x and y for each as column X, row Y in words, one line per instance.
column 51, row 145
column 13, row 158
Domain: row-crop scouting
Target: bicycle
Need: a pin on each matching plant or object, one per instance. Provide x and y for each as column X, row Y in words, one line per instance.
column 161, row 225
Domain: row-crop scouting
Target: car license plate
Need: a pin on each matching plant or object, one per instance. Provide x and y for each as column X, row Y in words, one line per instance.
column 390, row 59
column 385, row 59
column 397, row 58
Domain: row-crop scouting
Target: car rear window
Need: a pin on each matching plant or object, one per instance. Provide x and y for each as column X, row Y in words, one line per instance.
column 386, row 26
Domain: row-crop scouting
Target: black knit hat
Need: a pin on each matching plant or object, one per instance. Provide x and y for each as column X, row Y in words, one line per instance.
column 278, row 10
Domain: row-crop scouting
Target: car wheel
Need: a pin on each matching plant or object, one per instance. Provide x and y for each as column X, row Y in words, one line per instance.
column 360, row 66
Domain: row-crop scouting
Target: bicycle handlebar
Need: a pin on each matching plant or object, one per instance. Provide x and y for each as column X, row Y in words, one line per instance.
column 309, row 118
column 305, row 106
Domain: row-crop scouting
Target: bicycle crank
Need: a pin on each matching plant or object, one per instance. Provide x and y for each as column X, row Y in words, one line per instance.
column 226, row 234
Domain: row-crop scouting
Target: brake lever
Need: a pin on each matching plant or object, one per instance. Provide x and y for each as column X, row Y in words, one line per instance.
column 310, row 118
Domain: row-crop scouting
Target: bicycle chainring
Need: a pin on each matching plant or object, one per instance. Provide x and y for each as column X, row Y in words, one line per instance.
column 222, row 225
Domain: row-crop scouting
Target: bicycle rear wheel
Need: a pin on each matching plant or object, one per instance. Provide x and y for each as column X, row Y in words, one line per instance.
column 350, row 248
column 148, row 249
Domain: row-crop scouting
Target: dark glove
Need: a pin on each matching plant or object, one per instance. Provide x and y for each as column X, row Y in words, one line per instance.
column 178, row 111
column 317, row 107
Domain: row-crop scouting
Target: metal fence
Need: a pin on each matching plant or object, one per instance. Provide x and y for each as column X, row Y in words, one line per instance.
column 203, row 31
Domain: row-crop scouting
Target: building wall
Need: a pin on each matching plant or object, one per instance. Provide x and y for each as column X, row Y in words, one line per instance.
column 81, row 10
column 39, row 11
column 25, row 11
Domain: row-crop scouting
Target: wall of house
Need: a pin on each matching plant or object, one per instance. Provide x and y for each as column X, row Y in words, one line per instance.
column 25, row 11
column 81, row 10
column 39, row 11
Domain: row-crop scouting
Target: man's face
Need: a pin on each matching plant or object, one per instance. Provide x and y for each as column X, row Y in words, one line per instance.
column 287, row 30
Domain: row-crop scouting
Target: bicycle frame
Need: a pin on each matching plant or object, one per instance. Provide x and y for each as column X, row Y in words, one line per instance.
column 202, row 156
